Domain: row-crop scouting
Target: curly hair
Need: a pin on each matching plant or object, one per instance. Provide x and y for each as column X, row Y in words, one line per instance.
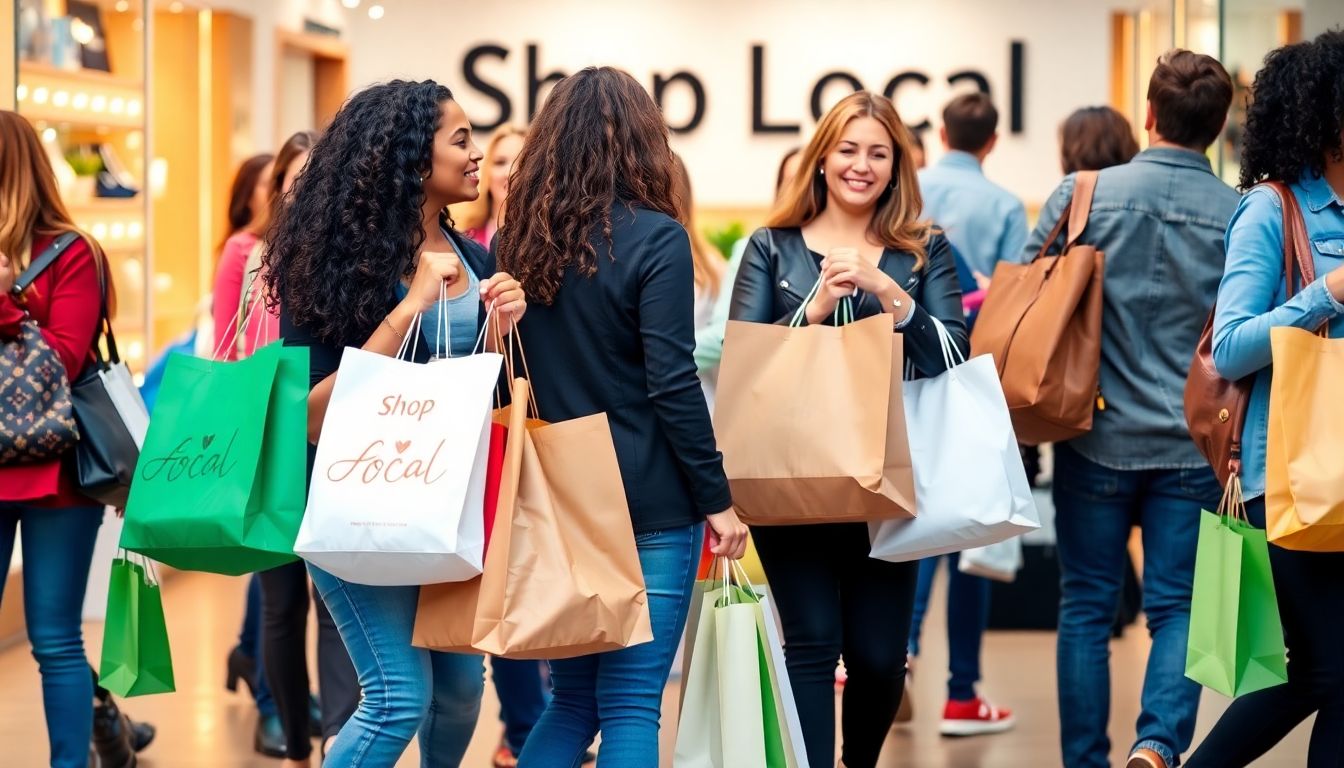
column 354, row 223
column 598, row 141
column 1296, row 112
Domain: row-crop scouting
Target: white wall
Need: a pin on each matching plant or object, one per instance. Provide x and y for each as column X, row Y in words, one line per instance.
column 1067, row 61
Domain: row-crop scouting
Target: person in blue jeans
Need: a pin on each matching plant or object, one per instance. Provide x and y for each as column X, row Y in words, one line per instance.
column 364, row 248
column 1159, row 221
column 609, row 271
column 984, row 224
column 1294, row 135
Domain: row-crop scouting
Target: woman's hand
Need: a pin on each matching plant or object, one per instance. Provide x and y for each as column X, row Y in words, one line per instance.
column 727, row 534
column 433, row 273
column 7, row 276
column 845, row 269
column 506, row 295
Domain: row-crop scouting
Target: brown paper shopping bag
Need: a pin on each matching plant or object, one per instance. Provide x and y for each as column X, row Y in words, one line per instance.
column 1304, row 455
column 811, row 423
column 562, row 577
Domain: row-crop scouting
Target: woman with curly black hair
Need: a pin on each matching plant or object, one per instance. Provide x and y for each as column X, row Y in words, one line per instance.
column 364, row 246
column 601, row 250
column 1294, row 135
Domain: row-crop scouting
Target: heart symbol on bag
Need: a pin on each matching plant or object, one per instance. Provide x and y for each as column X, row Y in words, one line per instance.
column 206, row 441
column 402, row 445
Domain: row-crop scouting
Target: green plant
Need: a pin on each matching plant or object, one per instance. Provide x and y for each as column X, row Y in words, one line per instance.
column 724, row 238
column 84, row 161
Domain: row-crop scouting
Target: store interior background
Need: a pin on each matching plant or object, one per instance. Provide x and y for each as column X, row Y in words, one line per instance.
column 181, row 92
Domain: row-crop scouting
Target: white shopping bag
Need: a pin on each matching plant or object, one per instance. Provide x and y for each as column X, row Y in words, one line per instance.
column 971, row 489
column 784, row 701
column 125, row 397
column 999, row 562
column 398, row 484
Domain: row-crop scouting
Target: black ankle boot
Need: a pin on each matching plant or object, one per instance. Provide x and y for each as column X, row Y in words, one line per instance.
column 241, row 667
column 112, row 737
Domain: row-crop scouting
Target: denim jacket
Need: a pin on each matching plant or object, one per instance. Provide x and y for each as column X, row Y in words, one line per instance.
column 1253, row 298
column 1160, row 221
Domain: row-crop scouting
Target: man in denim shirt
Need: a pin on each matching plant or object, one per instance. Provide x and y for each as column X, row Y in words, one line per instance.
column 1160, row 221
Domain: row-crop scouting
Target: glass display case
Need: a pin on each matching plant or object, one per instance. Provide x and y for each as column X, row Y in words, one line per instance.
column 80, row 80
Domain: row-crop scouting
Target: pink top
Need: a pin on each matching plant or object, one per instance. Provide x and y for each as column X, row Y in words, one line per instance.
column 229, row 280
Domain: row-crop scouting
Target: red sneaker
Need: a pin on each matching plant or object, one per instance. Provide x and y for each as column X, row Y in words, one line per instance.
column 974, row 717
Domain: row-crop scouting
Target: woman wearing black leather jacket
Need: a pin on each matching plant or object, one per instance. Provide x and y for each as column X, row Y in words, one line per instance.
column 850, row 219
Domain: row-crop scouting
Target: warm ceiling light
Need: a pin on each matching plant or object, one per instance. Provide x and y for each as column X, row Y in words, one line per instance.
column 80, row 101
column 40, row 95
column 98, row 103
column 122, row 6
column 60, row 99
column 21, row 92
column 81, row 32
column 375, row 12
column 351, row 4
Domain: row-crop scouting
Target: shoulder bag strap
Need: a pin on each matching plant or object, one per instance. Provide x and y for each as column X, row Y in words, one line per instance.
column 44, row 260
column 1085, row 183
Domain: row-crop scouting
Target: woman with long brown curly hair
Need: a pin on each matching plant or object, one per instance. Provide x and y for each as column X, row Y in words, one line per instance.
column 602, row 255
column 59, row 523
column 850, row 219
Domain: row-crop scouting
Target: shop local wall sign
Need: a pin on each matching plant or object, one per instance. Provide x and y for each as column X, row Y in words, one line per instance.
column 761, row 123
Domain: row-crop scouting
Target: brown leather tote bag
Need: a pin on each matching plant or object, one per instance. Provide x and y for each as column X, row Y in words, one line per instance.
column 1041, row 321
column 1215, row 408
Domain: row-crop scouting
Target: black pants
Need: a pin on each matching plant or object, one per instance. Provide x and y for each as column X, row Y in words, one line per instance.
column 833, row 599
column 1310, row 587
column 284, row 607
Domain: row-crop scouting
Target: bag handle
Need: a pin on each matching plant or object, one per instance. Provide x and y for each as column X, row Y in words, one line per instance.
column 1233, row 506
column 843, row 314
column 39, row 265
column 1074, row 216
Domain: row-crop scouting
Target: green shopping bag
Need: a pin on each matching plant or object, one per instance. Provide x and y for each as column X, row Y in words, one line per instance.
column 136, row 659
column 1236, row 640
column 221, row 481
column 729, row 715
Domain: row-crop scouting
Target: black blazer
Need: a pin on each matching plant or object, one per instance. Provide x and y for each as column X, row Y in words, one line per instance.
column 778, row 271
column 620, row 341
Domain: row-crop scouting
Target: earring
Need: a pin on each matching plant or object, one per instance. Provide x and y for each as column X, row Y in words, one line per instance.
column 821, row 171
column 422, row 179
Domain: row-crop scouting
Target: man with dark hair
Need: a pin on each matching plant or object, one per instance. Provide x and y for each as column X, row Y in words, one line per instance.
column 985, row 223
column 1159, row 220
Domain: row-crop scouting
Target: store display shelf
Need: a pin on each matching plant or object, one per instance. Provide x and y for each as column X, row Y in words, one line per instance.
column 107, row 206
column 84, row 97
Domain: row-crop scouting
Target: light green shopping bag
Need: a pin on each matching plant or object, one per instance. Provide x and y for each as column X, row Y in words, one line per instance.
column 136, row 659
column 221, row 481
column 1235, row 645
column 730, row 714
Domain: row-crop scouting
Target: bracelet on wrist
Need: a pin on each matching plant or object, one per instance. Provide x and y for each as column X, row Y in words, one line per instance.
column 400, row 336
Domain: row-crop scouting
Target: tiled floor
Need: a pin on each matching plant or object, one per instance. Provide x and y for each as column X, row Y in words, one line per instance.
column 203, row 726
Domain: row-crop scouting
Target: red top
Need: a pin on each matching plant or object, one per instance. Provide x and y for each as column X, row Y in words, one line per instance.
column 64, row 301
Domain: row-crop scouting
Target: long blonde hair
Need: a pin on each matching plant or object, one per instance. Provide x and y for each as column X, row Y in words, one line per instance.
column 476, row 214
column 30, row 202
column 709, row 265
column 895, row 221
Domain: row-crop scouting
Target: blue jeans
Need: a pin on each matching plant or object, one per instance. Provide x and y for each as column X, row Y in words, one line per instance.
column 406, row 689
column 521, row 686
column 57, row 551
column 620, row 693
column 249, row 638
column 1095, row 509
column 967, row 617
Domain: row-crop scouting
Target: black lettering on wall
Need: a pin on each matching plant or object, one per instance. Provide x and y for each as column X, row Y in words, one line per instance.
column 534, row 83
column 484, row 87
column 895, row 85
column 660, row 85
column 981, row 82
column 758, row 123
column 819, row 90
column 1016, row 72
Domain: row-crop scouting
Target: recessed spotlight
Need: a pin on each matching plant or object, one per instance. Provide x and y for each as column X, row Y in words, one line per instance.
column 81, row 32
column 98, row 103
column 122, row 6
column 80, row 101
column 118, row 105
column 60, row 99
column 21, row 92
column 375, row 12
column 351, row 4
column 40, row 95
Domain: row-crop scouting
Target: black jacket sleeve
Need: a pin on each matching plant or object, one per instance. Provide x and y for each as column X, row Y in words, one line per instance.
column 754, row 290
column 323, row 358
column 938, row 295
column 666, row 285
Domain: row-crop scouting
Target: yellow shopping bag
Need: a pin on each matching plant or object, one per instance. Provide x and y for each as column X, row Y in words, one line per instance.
column 1304, row 458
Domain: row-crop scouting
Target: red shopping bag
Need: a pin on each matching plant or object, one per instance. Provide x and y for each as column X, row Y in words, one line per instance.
column 494, row 469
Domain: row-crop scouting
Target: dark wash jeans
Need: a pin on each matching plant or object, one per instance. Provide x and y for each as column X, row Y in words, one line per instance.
column 1095, row 510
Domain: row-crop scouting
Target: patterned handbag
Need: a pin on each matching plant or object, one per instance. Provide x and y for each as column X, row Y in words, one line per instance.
column 37, row 422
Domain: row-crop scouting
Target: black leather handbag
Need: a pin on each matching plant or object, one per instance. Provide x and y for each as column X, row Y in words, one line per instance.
column 105, row 456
